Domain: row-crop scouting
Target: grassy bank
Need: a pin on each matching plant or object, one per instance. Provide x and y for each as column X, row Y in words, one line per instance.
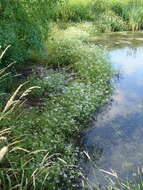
column 73, row 85
column 42, row 134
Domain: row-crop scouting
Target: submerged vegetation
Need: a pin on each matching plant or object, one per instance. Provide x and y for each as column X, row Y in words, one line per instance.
column 74, row 80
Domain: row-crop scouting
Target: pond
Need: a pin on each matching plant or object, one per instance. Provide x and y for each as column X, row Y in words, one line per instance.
column 115, row 140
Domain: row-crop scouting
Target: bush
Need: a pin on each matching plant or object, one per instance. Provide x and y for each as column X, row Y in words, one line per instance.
column 71, row 10
column 62, row 47
column 23, row 28
column 117, row 7
column 99, row 7
column 110, row 23
column 72, row 48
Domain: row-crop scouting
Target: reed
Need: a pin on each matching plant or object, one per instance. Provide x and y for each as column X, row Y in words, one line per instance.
column 133, row 13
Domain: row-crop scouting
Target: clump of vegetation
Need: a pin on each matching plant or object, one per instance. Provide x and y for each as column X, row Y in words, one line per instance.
column 110, row 22
column 75, row 83
column 133, row 13
column 23, row 28
column 71, row 91
column 72, row 10
column 113, row 15
column 27, row 31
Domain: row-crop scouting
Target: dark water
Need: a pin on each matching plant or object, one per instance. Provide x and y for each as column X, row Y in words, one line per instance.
column 115, row 142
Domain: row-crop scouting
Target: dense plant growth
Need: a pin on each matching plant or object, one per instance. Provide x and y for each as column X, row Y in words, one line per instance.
column 24, row 24
column 23, row 28
column 77, row 84
column 113, row 15
column 74, row 81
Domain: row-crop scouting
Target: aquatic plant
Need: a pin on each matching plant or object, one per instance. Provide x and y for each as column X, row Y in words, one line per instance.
column 133, row 13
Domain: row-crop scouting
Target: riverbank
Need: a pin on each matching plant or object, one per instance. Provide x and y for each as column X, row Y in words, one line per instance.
column 74, row 84
column 74, row 81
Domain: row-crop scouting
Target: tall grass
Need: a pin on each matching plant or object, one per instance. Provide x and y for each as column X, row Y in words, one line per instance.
column 133, row 13
column 12, row 177
column 113, row 15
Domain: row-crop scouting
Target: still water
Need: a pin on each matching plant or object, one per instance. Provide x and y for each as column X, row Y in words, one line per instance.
column 115, row 141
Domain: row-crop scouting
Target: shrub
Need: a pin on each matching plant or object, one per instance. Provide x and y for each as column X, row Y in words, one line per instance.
column 62, row 47
column 23, row 28
column 71, row 10
column 73, row 48
column 99, row 7
column 117, row 7
column 110, row 23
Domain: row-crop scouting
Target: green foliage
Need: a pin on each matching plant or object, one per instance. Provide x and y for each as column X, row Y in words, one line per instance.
column 71, row 93
column 51, row 129
column 23, row 28
column 99, row 7
column 27, row 31
column 110, row 23
column 53, row 83
column 72, row 48
column 22, row 37
column 76, row 83
column 63, row 46
column 71, row 10
column 79, row 10
column 113, row 15
column 133, row 13
column 130, row 11
column 117, row 6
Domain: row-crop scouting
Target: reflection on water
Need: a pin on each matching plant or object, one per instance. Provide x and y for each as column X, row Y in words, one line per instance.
column 116, row 139
column 119, row 39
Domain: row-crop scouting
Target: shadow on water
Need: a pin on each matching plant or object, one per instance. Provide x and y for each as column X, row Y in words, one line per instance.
column 115, row 141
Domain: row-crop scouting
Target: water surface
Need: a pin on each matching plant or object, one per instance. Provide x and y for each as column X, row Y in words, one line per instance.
column 115, row 141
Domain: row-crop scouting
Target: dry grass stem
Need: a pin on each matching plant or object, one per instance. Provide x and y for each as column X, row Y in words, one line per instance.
column 19, row 148
column 3, row 53
column 3, row 152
